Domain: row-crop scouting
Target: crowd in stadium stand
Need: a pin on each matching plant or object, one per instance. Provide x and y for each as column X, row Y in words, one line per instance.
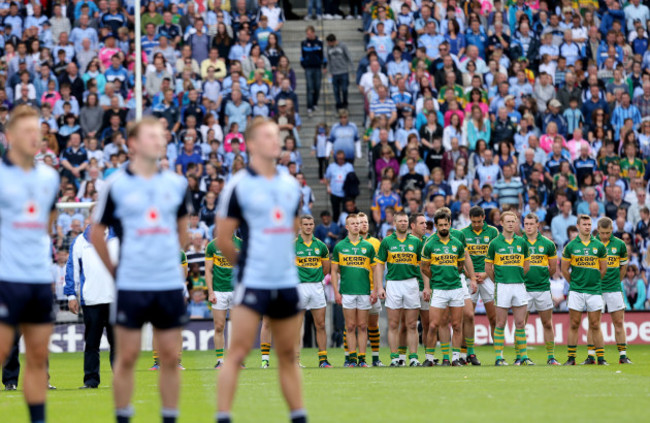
column 534, row 106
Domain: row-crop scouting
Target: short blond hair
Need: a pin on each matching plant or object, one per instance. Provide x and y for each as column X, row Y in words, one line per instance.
column 508, row 213
column 21, row 113
column 255, row 124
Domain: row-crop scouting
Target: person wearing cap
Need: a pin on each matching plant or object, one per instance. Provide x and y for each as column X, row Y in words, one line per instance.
column 553, row 115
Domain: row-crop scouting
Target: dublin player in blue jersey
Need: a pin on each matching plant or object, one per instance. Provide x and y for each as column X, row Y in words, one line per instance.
column 264, row 205
column 148, row 209
column 27, row 201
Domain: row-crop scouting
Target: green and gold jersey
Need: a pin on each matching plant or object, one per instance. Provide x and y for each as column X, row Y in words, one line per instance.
column 309, row 259
column 183, row 259
column 402, row 257
column 616, row 257
column 541, row 252
column 355, row 263
column 626, row 165
column 221, row 267
column 585, row 264
column 508, row 258
column 375, row 245
column 419, row 277
column 477, row 244
column 443, row 258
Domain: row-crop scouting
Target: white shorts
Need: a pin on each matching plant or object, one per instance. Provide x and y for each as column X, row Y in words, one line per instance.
column 614, row 301
column 224, row 301
column 485, row 290
column 424, row 305
column 359, row 302
column 403, row 294
column 376, row 307
column 539, row 301
column 463, row 281
column 581, row 301
column 511, row 295
column 443, row 298
column 312, row 295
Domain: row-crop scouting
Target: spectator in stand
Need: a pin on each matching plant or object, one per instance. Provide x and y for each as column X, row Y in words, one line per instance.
column 339, row 63
column 335, row 176
column 327, row 231
column 313, row 61
column 561, row 223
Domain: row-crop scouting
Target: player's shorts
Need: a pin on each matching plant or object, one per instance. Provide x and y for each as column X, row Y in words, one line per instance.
column 273, row 303
column 375, row 308
column 26, row 303
column 312, row 296
column 511, row 295
column 424, row 305
column 443, row 298
column 403, row 294
column 463, row 281
column 360, row 302
column 539, row 301
column 224, row 300
column 581, row 301
column 485, row 290
column 163, row 309
column 613, row 301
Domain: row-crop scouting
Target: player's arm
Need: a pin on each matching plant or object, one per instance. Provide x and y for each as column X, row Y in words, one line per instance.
column 489, row 269
column 425, row 268
column 378, row 275
column 208, row 278
column 623, row 271
column 566, row 265
column 603, row 267
column 334, row 280
column 327, row 264
column 489, row 261
column 227, row 227
column 526, row 258
column 552, row 265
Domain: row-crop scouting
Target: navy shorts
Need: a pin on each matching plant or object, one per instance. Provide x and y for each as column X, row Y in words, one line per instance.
column 163, row 309
column 26, row 303
column 273, row 303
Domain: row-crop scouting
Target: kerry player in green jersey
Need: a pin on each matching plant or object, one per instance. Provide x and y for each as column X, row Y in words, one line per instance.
column 477, row 237
column 507, row 263
column 352, row 261
column 218, row 277
column 543, row 263
column 313, row 261
column 442, row 262
column 612, row 289
column 584, row 264
column 401, row 254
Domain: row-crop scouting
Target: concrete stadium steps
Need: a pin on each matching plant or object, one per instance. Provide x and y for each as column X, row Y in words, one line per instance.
column 346, row 31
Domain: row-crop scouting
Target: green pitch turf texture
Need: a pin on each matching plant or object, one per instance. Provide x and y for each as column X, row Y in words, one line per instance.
column 538, row 393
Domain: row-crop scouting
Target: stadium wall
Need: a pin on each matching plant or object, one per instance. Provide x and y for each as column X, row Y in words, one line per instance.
column 198, row 335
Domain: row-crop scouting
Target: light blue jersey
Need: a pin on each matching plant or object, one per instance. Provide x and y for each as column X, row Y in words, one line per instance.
column 266, row 210
column 26, row 200
column 144, row 214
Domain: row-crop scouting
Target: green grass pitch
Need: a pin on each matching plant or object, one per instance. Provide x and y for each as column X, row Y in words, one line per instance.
column 531, row 394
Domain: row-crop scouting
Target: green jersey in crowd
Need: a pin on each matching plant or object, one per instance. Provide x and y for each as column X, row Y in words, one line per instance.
column 444, row 257
column 355, row 263
column 221, row 267
column 541, row 252
column 585, row 264
column 508, row 258
column 616, row 257
column 477, row 244
column 402, row 257
column 309, row 259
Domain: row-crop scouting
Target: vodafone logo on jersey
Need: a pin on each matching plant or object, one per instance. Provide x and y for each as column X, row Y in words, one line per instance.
column 31, row 210
column 152, row 216
column 277, row 216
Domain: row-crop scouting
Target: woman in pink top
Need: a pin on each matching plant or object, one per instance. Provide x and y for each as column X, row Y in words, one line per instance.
column 108, row 51
column 546, row 140
column 232, row 134
column 51, row 96
column 575, row 145
column 476, row 99
column 387, row 159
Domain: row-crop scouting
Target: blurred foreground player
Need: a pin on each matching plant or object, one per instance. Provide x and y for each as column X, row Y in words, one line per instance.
column 27, row 201
column 148, row 210
column 264, row 204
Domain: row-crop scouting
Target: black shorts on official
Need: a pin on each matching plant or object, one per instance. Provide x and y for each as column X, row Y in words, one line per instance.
column 163, row 309
column 30, row 303
column 273, row 303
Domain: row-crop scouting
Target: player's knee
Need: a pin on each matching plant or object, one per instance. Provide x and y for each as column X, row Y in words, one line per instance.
column 393, row 324
column 219, row 328
column 594, row 325
column 363, row 326
column 548, row 325
column 468, row 316
column 433, row 327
